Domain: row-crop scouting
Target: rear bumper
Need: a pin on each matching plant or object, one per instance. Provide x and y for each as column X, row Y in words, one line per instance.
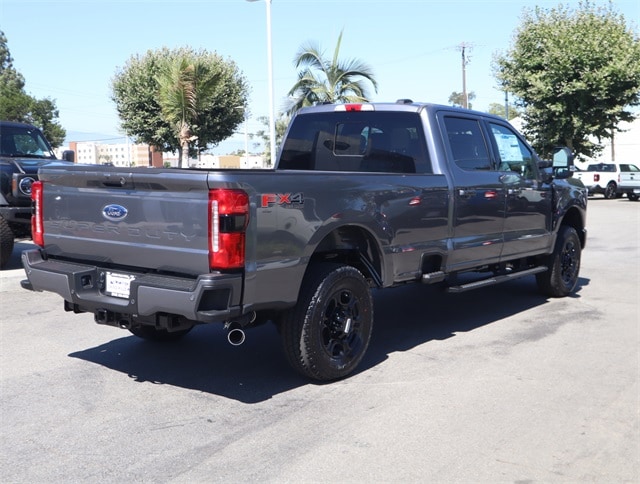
column 207, row 298
column 630, row 189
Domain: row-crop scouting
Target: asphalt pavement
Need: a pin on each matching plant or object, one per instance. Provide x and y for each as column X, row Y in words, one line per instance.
column 495, row 385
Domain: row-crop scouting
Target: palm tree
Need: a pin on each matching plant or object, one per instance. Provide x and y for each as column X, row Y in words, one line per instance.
column 185, row 85
column 321, row 80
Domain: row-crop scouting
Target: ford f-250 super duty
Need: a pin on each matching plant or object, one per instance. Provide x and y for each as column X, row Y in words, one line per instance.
column 363, row 196
column 23, row 149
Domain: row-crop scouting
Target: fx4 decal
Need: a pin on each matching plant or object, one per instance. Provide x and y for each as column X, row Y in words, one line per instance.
column 271, row 199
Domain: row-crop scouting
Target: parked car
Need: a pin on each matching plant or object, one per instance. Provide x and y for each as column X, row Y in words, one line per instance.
column 604, row 178
column 23, row 150
column 629, row 182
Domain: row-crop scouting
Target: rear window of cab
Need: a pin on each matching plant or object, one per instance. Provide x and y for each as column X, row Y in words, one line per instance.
column 364, row 141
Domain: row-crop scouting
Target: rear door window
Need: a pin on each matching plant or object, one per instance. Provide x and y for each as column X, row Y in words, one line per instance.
column 467, row 143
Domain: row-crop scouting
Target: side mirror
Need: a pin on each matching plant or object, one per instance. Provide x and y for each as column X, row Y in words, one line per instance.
column 68, row 155
column 562, row 162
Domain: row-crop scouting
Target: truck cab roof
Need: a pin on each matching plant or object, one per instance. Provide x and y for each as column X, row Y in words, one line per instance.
column 401, row 105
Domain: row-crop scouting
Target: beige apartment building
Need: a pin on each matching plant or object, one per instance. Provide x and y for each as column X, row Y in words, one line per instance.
column 129, row 155
column 121, row 154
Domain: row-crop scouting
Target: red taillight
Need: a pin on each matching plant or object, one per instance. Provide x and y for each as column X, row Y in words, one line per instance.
column 37, row 218
column 228, row 219
column 596, row 177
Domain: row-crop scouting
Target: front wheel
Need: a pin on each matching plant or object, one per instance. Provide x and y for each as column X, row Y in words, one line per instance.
column 6, row 242
column 564, row 265
column 326, row 334
column 633, row 196
column 610, row 191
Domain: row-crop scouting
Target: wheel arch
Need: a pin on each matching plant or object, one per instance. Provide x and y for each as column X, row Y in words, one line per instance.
column 574, row 218
column 353, row 245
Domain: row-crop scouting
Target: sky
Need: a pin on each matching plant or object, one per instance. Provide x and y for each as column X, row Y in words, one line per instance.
column 70, row 50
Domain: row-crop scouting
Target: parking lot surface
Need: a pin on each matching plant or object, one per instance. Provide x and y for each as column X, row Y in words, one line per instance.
column 495, row 385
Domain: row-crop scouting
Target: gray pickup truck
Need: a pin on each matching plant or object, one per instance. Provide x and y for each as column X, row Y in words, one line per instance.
column 363, row 196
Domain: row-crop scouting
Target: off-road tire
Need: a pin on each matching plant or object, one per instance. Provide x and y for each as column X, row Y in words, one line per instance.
column 6, row 242
column 150, row 333
column 564, row 265
column 610, row 191
column 326, row 335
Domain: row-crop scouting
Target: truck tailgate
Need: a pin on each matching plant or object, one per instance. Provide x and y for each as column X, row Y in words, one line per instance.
column 142, row 218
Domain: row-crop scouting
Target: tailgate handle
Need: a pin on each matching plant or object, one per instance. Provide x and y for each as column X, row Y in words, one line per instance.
column 121, row 182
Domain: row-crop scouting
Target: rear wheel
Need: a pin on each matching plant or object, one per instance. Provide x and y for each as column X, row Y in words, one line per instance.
column 6, row 242
column 633, row 196
column 610, row 191
column 153, row 334
column 563, row 263
column 326, row 335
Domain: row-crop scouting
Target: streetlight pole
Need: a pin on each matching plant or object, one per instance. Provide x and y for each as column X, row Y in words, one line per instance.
column 246, row 136
column 272, row 119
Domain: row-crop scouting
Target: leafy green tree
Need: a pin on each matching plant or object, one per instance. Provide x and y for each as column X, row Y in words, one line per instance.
column 576, row 73
column 329, row 80
column 169, row 98
column 43, row 113
column 499, row 110
column 17, row 105
column 9, row 77
column 14, row 103
column 457, row 99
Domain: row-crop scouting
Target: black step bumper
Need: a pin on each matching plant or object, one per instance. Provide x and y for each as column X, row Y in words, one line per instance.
column 207, row 298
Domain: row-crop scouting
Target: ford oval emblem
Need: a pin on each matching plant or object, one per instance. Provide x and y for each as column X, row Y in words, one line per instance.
column 114, row 212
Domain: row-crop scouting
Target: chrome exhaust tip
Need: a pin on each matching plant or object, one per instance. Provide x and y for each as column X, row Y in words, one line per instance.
column 236, row 335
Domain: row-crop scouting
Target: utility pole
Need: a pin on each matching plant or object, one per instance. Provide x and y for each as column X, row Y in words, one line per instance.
column 465, row 60
column 506, row 105
column 613, row 147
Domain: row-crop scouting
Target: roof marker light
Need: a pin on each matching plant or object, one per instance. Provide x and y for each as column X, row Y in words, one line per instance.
column 354, row 107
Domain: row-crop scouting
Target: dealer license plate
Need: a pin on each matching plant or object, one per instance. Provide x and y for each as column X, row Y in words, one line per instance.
column 118, row 285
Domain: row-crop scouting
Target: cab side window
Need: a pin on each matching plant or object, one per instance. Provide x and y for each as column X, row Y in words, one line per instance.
column 467, row 143
column 625, row 167
column 514, row 154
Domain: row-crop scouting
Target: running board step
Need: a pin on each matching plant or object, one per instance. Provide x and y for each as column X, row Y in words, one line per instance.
column 433, row 277
column 496, row 279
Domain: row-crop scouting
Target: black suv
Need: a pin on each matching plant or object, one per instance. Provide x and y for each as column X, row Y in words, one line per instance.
column 23, row 150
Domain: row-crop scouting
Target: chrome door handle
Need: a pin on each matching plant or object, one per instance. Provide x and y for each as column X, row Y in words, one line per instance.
column 466, row 193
